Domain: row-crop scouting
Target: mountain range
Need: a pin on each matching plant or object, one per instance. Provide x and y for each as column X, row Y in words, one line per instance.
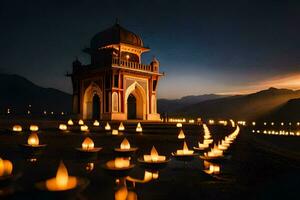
column 270, row 104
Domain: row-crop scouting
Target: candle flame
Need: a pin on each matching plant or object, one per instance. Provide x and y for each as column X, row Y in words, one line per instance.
column 96, row 123
column 107, row 126
column 125, row 144
column 181, row 134
column 17, row 128
column 154, row 154
column 121, row 127
column 70, row 122
column 88, row 143
column 139, row 127
column 6, row 167
column 81, row 122
column 33, row 128
column 33, row 139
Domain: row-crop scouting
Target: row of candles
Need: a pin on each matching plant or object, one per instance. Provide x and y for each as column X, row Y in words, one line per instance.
column 63, row 181
column 280, row 132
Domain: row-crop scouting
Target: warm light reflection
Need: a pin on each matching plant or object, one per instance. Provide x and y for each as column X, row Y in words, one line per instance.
column 121, row 127
column 96, row 123
column 118, row 163
column 17, row 128
column 212, row 168
column 70, row 122
column 114, row 132
column 139, row 127
column 63, row 127
column 33, row 139
column 6, row 168
column 87, row 144
column 62, row 181
column 107, row 126
column 33, row 128
column 80, row 122
column 154, row 156
column 179, row 125
column 89, row 166
column 181, row 135
column 125, row 144
column 84, row 128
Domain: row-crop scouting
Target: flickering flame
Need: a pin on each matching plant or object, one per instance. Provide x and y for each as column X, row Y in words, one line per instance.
column 33, row 139
column 96, row 123
column 62, row 181
column 121, row 127
column 17, row 128
column 87, row 144
column 118, row 163
column 33, row 128
column 63, row 127
column 181, row 134
column 139, row 127
column 80, row 122
column 125, row 144
column 179, row 125
column 107, row 127
column 84, row 128
column 185, row 150
column 6, row 167
column 154, row 156
column 89, row 166
column 212, row 168
column 70, row 122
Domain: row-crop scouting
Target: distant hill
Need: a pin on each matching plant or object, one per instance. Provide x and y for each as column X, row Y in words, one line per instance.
column 17, row 93
column 171, row 105
column 246, row 107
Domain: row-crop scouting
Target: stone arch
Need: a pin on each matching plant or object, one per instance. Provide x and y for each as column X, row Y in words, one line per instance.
column 90, row 91
column 141, row 100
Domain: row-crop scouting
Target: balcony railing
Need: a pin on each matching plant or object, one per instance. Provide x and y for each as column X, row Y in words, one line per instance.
column 134, row 65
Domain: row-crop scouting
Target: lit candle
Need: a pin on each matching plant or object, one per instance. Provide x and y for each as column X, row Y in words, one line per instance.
column 84, row 128
column 181, row 135
column 63, row 127
column 17, row 128
column 62, row 181
column 107, row 126
column 33, row 140
column 154, row 156
column 121, row 127
column 125, row 144
column 70, row 122
column 88, row 144
column 96, row 123
column 185, row 150
column 80, row 122
column 33, row 128
column 179, row 125
column 6, row 168
column 118, row 163
column 139, row 127
column 114, row 132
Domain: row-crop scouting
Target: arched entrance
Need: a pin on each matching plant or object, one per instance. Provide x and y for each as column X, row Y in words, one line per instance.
column 135, row 102
column 131, row 107
column 96, row 107
column 92, row 102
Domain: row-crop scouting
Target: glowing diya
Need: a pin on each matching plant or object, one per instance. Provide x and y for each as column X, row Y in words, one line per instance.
column 70, row 122
column 88, row 147
column 62, row 185
column 96, row 123
column 139, row 128
column 63, row 127
column 181, row 134
column 154, row 159
column 179, row 125
column 17, row 128
column 115, row 132
column 121, row 127
column 80, row 122
column 33, row 145
column 33, row 128
column 119, row 166
column 84, row 128
column 184, row 154
column 215, row 154
column 201, row 146
column 107, row 127
column 125, row 147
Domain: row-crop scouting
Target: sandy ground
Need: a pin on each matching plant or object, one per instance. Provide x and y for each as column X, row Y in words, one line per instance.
column 260, row 167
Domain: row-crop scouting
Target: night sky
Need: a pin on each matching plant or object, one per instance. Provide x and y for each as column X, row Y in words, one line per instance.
column 203, row 46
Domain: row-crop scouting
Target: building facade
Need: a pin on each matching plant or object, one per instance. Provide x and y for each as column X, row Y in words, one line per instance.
column 116, row 85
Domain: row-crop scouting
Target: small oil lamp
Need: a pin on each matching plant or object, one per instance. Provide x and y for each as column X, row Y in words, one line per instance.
column 17, row 128
column 181, row 134
column 6, row 174
column 80, row 122
column 88, row 146
column 63, row 127
column 70, row 122
column 84, row 128
column 154, row 159
column 107, row 127
column 115, row 132
column 119, row 164
column 139, row 128
column 33, row 128
column 201, row 146
column 96, row 123
column 62, row 184
column 214, row 154
column 184, row 153
column 33, row 145
column 121, row 127
column 179, row 125
column 125, row 147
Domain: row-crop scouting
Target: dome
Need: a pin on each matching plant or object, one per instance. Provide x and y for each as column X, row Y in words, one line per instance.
column 115, row 35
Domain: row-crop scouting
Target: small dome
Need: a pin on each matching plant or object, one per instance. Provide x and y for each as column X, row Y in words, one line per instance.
column 115, row 35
